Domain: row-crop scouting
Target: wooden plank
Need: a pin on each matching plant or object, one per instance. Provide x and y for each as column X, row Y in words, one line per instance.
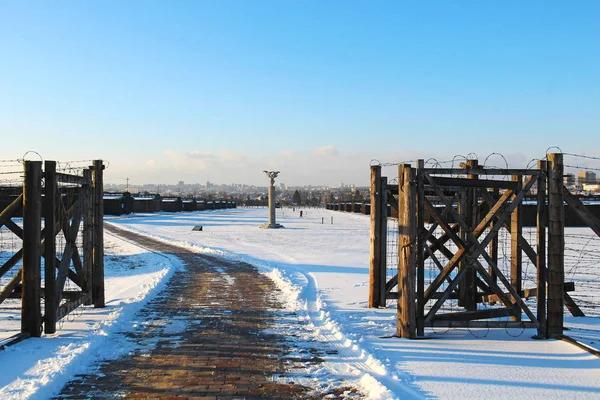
column 540, row 260
column 516, row 255
column 480, row 171
column 14, row 228
column 9, row 288
column 88, row 227
column 469, row 282
column 480, row 183
column 67, row 255
column 66, row 308
column 445, row 295
column 66, row 178
column 530, row 292
column 484, row 324
column 572, row 306
column 12, row 340
column 10, row 210
column 582, row 346
column 50, row 208
column 475, row 315
column 417, row 196
column 406, row 316
column 31, row 313
column 383, row 244
column 11, row 262
column 525, row 246
column 581, row 210
column 98, row 236
column 556, row 246
column 375, row 237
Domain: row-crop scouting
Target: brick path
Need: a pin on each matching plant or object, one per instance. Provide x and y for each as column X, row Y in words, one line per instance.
column 207, row 330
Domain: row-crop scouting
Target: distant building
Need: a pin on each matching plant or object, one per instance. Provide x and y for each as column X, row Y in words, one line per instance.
column 569, row 180
column 586, row 177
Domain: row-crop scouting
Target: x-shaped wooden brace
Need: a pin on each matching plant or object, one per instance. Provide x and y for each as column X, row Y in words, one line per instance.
column 475, row 247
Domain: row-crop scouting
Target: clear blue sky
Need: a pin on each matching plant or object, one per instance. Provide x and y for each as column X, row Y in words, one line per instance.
column 220, row 90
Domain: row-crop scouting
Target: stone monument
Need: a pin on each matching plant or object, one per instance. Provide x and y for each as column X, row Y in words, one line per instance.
column 272, row 224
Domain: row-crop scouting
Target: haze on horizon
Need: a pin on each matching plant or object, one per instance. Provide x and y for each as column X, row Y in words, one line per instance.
column 219, row 91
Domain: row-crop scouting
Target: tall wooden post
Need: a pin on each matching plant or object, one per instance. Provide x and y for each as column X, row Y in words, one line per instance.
column 494, row 245
column 98, row 236
column 556, row 246
column 516, row 256
column 88, row 232
column 375, row 240
column 469, row 286
column 541, row 249
column 31, row 313
column 406, row 315
column 419, row 194
column 383, row 242
column 50, row 247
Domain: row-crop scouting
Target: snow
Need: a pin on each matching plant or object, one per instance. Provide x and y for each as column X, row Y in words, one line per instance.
column 322, row 270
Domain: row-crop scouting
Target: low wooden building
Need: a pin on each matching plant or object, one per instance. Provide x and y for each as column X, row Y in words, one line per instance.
column 171, row 204
column 190, row 205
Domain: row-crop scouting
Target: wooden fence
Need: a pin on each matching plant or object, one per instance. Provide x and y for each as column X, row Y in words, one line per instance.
column 465, row 210
column 58, row 210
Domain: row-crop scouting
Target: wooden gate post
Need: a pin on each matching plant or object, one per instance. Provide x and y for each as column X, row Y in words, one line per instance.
column 556, row 246
column 516, row 254
column 419, row 195
column 50, row 208
column 375, row 240
column 98, row 236
column 31, row 313
column 383, row 242
column 469, row 284
column 541, row 248
column 88, row 232
column 406, row 313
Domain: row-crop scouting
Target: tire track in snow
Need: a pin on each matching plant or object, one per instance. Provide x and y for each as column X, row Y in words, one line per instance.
column 373, row 371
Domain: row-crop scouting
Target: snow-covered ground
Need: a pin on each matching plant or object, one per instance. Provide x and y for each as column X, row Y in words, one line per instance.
column 320, row 262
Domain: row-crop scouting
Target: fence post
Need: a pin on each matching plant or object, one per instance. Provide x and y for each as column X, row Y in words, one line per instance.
column 383, row 242
column 419, row 194
column 556, row 246
column 375, row 239
column 88, row 231
column 468, row 288
column 31, row 313
column 406, row 323
column 516, row 255
column 49, row 206
column 98, row 236
column 541, row 249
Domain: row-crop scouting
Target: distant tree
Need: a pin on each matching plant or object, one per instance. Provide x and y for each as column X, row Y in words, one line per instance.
column 297, row 198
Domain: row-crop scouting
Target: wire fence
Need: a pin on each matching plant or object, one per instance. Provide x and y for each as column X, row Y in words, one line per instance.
column 11, row 182
column 582, row 244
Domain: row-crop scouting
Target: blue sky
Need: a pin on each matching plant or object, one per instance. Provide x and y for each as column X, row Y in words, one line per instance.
column 220, row 90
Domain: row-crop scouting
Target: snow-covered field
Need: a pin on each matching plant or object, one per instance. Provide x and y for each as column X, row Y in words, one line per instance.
column 322, row 269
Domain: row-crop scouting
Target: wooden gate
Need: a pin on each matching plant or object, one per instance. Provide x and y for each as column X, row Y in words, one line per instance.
column 449, row 272
column 70, row 207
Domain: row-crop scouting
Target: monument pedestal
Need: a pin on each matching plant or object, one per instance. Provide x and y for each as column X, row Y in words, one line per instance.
column 272, row 226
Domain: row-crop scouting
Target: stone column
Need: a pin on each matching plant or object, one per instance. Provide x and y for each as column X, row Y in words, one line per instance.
column 272, row 224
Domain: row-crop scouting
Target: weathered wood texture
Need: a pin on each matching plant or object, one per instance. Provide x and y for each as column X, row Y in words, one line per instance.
column 406, row 324
column 98, row 236
column 31, row 315
column 556, row 246
column 50, row 223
